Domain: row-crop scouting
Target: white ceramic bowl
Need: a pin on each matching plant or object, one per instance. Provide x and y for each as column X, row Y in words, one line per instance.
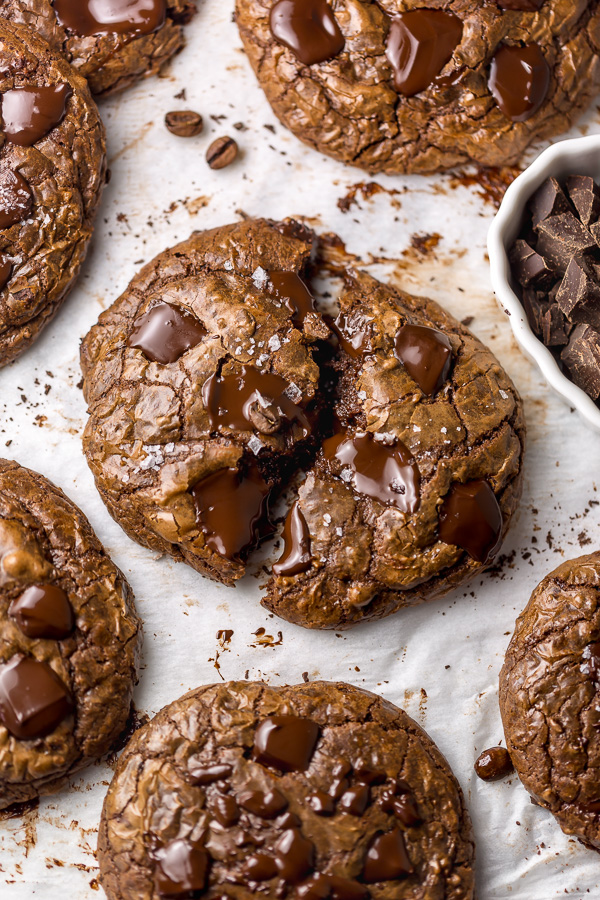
column 580, row 156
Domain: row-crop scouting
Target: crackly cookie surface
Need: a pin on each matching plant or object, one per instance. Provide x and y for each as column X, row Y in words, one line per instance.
column 52, row 170
column 414, row 490
column 549, row 687
column 321, row 790
column 69, row 639
column 408, row 86
column 213, row 383
column 112, row 43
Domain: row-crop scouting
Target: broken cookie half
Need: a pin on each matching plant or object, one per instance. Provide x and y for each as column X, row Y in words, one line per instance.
column 214, row 383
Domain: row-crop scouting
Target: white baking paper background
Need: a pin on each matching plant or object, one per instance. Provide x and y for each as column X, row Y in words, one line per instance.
column 439, row 661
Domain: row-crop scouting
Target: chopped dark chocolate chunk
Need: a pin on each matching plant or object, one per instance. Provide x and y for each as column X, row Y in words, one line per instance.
column 528, row 267
column 581, row 358
column 560, row 238
column 556, row 328
column 584, row 194
column 548, row 200
column 578, row 295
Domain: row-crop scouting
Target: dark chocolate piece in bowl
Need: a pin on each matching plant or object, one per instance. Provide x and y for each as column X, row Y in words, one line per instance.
column 111, row 43
column 69, row 639
column 319, row 791
column 556, row 261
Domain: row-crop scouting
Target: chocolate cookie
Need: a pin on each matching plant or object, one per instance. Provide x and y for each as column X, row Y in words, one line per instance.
column 213, row 380
column 112, row 43
column 69, row 639
column 414, row 491
column 407, row 86
column 316, row 791
column 549, row 689
column 52, row 170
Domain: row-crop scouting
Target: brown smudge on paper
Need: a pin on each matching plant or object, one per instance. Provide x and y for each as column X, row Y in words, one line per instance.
column 365, row 190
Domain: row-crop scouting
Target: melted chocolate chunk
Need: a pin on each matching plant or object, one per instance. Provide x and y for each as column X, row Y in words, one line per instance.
column 165, row 333
column 225, row 809
column 338, row 787
column 260, row 867
column 323, row 887
column 294, row 856
column 250, row 399
column 493, row 764
column 286, row 743
column 43, row 611
column 33, row 699
column 264, row 804
column 519, row 80
column 233, row 511
column 5, row 271
column 419, row 45
column 387, row 859
column 296, row 556
column 405, row 809
column 209, row 774
column 30, row 113
column 426, row 354
column 182, row 869
column 290, row 288
column 471, row 518
column 354, row 339
column 385, row 472
column 355, row 800
column 127, row 17
column 16, row 199
column 309, row 28
column 321, row 803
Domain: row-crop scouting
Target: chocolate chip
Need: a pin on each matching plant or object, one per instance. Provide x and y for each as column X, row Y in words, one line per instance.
column 387, row 858
column 418, row 46
column 286, row 743
column 221, row 153
column 43, row 611
column 581, row 358
column 519, row 80
column 308, row 28
column 184, row 123
column 30, row 113
column 493, row 764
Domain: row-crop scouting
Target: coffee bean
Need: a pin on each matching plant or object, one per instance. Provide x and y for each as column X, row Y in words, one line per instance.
column 184, row 122
column 221, row 153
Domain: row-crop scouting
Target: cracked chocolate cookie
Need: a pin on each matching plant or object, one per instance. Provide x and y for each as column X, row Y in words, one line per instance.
column 213, row 381
column 414, row 490
column 316, row 791
column 407, row 86
column 52, row 170
column 112, row 43
column 202, row 390
column 549, row 690
column 69, row 639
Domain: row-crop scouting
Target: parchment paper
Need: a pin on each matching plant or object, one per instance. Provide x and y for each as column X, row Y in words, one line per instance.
column 439, row 661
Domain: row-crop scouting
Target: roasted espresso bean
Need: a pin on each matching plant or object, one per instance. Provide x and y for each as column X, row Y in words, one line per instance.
column 221, row 153
column 184, row 122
